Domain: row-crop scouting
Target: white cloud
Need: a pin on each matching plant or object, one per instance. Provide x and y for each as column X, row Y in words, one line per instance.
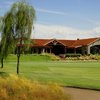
column 63, row 32
column 93, row 22
column 51, row 12
column 67, row 14
column 97, row 30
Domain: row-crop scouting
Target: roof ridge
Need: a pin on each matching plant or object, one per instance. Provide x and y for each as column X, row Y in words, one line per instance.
column 90, row 38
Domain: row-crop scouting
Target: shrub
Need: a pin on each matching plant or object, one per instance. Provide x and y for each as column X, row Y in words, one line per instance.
column 15, row 88
column 52, row 56
column 85, row 57
column 73, row 55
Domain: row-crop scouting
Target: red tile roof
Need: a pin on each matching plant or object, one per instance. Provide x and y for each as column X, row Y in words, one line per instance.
column 83, row 42
column 40, row 42
column 67, row 43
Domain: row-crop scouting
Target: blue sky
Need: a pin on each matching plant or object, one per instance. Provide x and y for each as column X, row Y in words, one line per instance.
column 68, row 19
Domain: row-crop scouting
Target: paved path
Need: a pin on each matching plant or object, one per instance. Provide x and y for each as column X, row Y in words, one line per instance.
column 83, row 94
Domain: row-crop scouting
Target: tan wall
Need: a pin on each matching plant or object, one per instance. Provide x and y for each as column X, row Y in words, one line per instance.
column 92, row 44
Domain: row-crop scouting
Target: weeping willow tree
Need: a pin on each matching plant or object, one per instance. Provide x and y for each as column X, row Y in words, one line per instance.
column 7, row 36
column 16, row 29
column 1, row 24
column 24, row 16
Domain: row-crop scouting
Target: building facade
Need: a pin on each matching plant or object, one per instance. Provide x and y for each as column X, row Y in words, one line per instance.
column 57, row 47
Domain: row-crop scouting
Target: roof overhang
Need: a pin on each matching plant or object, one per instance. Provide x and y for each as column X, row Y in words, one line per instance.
column 93, row 41
column 74, row 47
column 53, row 40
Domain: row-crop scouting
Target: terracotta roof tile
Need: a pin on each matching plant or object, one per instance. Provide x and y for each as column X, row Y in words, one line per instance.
column 40, row 42
column 83, row 42
column 68, row 43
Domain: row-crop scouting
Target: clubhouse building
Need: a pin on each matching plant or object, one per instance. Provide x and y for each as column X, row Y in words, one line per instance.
column 57, row 46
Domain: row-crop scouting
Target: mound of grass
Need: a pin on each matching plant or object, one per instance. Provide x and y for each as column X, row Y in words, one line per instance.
column 28, row 58
column 52, row 56
column 15, row 88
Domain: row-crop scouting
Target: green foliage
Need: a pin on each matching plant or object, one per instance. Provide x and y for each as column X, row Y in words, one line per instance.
column 16, row 29
column 7, row 39
column 7, row 43
column 24, row 15
column 1, row 24
column 73, row 55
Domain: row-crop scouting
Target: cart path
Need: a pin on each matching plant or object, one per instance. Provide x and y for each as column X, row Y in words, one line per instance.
column 82, row 94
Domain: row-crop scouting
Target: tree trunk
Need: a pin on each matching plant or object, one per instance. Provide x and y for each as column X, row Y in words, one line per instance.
column 2, row 63
column 18, row 58
column 18, row 55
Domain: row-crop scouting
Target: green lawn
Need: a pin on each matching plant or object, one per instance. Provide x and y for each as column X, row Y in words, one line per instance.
column 69, row 73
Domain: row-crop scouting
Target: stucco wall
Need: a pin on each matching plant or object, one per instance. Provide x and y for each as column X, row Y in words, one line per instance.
column 92, row 44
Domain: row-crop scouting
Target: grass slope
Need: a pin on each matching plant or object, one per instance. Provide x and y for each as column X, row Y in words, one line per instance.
column 68, row 73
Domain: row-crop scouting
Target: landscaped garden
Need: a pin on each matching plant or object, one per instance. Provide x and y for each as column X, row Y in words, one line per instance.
column 84, row 74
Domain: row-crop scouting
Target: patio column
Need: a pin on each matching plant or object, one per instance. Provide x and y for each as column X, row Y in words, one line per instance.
column 50, row 50
column 31, row 50
column 46, row 50
column 65, row 51
column 75, row 50
column 43, row 50
column 37, row 50
column 88, row 49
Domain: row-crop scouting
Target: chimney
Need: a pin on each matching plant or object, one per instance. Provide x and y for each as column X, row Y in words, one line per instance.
column 78, row 39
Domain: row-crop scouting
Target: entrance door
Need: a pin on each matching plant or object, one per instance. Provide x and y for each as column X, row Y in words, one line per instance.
column 58, row 49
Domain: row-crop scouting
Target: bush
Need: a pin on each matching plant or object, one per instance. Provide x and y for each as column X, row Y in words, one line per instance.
column 85, row 57
column 52, row 56
column 73, row 55
column 15, row 88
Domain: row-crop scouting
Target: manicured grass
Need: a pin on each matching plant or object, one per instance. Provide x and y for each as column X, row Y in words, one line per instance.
column 84, row 74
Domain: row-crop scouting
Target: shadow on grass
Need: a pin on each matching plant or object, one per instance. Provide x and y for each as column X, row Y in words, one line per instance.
column 4, row 74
